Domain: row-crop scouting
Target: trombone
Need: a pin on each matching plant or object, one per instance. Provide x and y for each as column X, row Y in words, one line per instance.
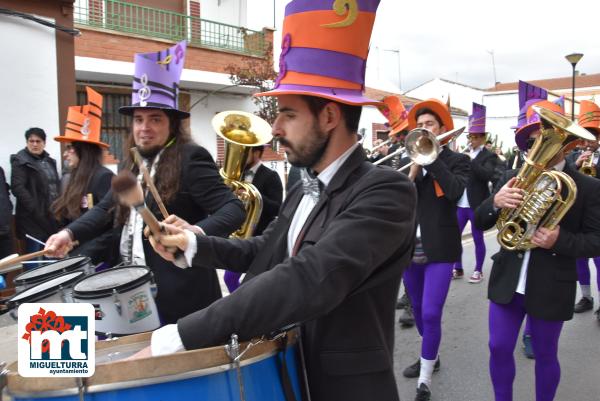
column 371, row 151
column 423, row 147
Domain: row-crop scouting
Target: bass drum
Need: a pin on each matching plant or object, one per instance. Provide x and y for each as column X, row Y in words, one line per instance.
column 267, row 371
column 46, row 272
column 123, row 299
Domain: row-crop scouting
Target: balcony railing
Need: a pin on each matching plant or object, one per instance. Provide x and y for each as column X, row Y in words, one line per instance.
column 131, row 18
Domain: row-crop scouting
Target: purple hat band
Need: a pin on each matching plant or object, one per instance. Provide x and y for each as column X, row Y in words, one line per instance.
column 300, row 6
column 156, row 77
column 326, row 63
column 349, row 96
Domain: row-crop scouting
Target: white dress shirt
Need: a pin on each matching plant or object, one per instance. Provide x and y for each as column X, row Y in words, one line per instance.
column 167, row 340
column 464, row 199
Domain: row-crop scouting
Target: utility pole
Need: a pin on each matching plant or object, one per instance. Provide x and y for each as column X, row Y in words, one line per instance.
column 491, row 53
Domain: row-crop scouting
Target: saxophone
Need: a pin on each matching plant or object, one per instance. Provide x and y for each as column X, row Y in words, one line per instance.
column 543, row 204
column 241, row 131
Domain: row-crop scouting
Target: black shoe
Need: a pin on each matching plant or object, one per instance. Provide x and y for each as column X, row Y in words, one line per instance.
column 597, row 313
column 402, row 302
column 415, row 369
column 423, row 393
column 527, row 348
column 407, row 319
column 585, row 304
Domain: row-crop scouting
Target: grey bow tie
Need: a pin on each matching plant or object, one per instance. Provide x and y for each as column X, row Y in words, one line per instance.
column 310, row 185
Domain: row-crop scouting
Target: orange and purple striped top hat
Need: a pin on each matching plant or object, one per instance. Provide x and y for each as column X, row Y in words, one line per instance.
column 324, row 50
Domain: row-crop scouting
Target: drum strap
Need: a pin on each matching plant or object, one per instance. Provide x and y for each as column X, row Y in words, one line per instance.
column 283, row 371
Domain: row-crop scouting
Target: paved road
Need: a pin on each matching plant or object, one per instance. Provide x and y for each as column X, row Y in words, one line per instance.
column 464, row 353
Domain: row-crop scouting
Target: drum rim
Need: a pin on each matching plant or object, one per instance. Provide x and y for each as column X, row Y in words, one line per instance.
column 43, row 294
column 44, row 277
column 126, row 384
column 107, row 292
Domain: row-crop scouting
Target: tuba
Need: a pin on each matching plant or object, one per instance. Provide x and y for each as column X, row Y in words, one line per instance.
column 543, row 204
column 241, row 131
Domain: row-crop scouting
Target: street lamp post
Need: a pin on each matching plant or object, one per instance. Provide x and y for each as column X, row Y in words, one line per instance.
column 573, row 59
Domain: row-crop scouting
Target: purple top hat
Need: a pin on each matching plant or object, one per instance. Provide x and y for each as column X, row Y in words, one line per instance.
column 324, row 50
column 528, row 94
column 477, row 119
column 156, row 80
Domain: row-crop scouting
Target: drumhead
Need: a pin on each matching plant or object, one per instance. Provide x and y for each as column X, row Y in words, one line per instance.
column 46, row 288
column 41, row 274
column 103, row 283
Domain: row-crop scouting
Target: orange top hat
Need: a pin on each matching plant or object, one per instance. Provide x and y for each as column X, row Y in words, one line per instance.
column 84, row 122
column 324, row 50
column 438, row 107
column 589, row 116
column 397, row 116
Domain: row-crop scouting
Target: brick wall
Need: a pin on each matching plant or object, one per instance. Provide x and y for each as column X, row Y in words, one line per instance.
column 113, row 46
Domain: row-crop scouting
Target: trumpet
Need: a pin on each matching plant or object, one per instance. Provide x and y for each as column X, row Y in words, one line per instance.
column 587, row 167
column 543, row 204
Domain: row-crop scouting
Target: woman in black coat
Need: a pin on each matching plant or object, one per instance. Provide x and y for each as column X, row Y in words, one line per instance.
column 89, row 181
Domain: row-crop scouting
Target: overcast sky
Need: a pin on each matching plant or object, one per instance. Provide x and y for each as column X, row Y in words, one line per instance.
column 451, row 39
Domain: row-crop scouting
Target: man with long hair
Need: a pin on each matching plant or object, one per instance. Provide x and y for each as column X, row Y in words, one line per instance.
column 187, row 181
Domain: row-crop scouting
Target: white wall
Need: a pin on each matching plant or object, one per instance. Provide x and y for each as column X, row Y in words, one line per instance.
column 460, row 96
column 252, row 14
column 28, row 78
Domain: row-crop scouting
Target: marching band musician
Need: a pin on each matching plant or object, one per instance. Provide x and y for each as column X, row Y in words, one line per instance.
column 438, row 244
column 89, row 180
column 483, row 165
column 589, row 118
column 333, row 259
column 540, row 282
column 187, row 181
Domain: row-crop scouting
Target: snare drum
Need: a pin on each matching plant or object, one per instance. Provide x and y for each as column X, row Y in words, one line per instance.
column 56, row 290
column 123, row 299
column 44, row 273
column 204, row 374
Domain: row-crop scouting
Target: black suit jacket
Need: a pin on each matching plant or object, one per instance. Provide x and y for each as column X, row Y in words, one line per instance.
column 551, row 274
column 437, row 214
column 99, row 246
column 483, row 167
column 202, row 199
column 341, row 285
column 269, row 185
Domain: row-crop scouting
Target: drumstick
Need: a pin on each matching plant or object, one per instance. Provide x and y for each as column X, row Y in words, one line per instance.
column 130, row 193
column 19, row 259
column 137, row 158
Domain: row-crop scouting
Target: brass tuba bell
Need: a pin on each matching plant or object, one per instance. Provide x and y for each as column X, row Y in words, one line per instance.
column 543, row 204
column 241, row 132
